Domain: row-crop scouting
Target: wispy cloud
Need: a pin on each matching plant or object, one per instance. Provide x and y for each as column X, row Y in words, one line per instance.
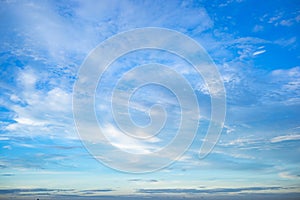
column 210, row 191
column 287, row 175
column 143, row 180
column 284, row 138
column 53, row 192
column 258, row 28
column 31, row 190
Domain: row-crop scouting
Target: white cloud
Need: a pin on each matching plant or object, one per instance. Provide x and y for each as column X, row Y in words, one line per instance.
column 128, row 143
column 282, row 19
column 287, row 175
column 27, row 78
column 286, row 42
column 203, row 88
column 286, row 73
column 235, row 154
column 285, row 138
column 7, row 147
column 290, row 82
column 259, row 52
column 275, row 19
column 64, row 34
column 241, row 142
column 117, row 15
column 258, row 28
column 39, row 111
column 284, row 22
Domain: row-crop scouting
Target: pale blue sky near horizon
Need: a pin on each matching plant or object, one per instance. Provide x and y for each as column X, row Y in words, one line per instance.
column 255, row 46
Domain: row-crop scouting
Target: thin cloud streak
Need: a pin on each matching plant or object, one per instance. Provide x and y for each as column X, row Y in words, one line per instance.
column 284, row 138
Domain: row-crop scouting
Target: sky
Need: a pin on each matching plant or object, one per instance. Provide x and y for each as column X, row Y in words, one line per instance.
column 253, row 45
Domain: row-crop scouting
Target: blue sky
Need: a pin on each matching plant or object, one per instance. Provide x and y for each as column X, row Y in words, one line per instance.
column 255, row 46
